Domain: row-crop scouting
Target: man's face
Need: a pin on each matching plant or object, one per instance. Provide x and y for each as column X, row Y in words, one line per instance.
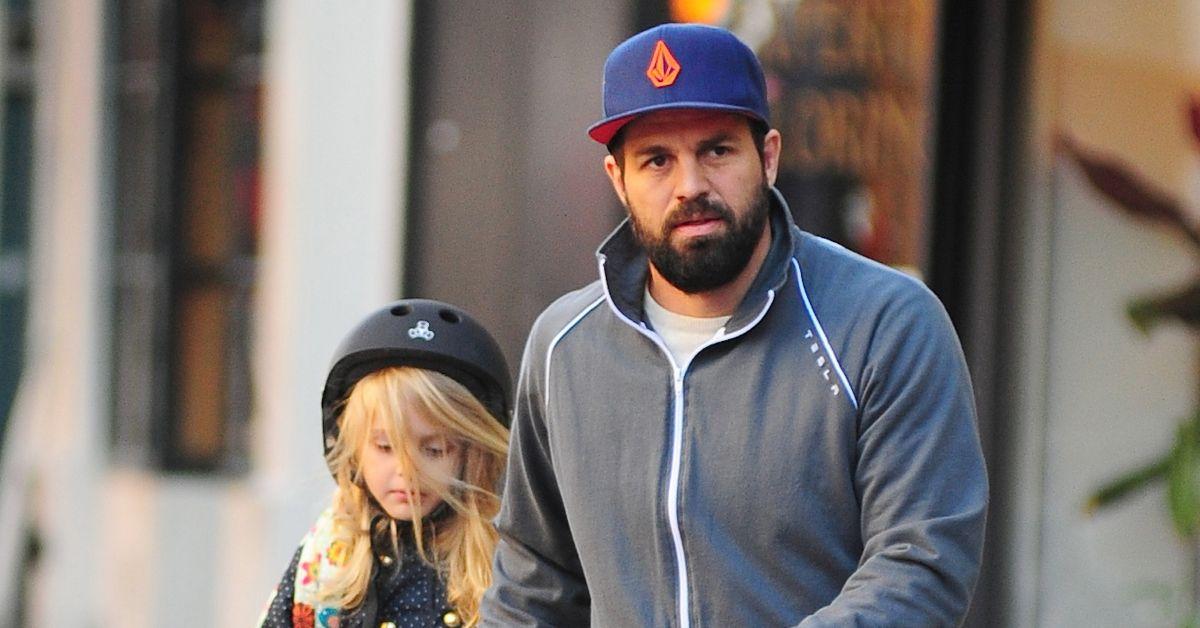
column 697, row 193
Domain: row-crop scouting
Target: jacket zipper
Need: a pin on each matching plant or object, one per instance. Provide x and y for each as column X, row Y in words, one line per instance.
column 678, row 373
column 673, row 494
column 685, row 620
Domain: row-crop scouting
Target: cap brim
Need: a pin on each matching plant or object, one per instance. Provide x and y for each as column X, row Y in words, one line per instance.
column 604, row 130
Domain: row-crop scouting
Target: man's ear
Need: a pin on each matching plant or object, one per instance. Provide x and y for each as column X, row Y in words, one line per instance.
column 772, row 144
column 613, row 170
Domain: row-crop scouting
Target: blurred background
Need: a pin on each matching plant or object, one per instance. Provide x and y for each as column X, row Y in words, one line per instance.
column 199, row 197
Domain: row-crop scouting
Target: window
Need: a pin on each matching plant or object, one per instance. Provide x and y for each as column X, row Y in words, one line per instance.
column 16, row 162
column 852, row 91
column 187, row 101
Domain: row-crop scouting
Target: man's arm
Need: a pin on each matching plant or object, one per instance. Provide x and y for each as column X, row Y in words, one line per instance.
column 536, row 578
column 920, row 478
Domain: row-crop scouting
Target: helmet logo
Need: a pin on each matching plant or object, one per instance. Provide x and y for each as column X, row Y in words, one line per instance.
column 421, row 331
column 663, row 66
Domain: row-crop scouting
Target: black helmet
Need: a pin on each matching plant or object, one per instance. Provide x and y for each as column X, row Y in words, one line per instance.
column 425, row 334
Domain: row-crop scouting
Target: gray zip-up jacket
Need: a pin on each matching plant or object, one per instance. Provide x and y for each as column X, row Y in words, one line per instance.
column 816, row 463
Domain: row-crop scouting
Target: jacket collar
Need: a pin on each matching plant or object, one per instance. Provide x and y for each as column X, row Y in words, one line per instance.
column 624, row 266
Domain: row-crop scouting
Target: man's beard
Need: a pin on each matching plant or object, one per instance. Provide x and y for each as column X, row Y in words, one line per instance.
column 708, row 262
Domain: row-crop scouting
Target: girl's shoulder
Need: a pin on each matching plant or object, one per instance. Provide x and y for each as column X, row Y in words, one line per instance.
column 323, row 555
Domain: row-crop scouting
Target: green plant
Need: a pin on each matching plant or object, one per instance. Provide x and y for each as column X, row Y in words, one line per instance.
column 1147, row 202
column 1179, row 466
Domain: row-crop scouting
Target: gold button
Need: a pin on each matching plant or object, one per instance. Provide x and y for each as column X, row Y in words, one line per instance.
column 387, row 562
column 387, row 624
column 451, row 619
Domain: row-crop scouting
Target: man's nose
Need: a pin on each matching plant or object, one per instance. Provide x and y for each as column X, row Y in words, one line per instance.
column 692, row 180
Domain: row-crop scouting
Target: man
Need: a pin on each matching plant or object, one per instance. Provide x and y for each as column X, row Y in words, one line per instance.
column 739, row 424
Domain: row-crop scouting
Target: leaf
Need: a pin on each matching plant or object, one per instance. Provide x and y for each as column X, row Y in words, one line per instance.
column 1183, row 480
column 1182, row 305
column 1126, row 485
column 1194, row 116
column 1130, row 191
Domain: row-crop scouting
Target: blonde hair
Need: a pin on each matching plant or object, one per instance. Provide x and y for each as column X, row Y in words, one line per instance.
column 462, row 543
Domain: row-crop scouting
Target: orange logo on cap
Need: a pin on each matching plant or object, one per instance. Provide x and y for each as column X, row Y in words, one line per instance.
column 663, row 67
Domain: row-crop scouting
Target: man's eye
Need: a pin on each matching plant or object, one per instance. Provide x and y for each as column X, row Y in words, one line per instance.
column 658, row 161
column 720, row 151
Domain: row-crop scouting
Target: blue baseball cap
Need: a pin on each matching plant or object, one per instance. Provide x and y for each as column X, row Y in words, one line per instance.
column 680, row 66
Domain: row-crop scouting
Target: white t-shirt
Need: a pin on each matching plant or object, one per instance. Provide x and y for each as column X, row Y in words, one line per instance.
column 682, row 334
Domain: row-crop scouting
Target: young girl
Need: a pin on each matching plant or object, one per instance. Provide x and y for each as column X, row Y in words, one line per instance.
column 415, row 411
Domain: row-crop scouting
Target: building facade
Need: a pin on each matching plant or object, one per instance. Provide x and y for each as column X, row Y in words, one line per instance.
column 199, row 198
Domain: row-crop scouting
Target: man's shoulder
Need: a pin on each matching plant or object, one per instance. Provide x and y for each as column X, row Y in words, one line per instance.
column 824, row 263
column 566, row 311
column 839, row 280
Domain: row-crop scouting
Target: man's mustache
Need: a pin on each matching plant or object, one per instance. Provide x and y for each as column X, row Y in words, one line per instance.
column 702, row 208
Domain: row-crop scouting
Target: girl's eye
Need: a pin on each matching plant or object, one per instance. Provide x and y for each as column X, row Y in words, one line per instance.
column 439, row 448
column 383, row 446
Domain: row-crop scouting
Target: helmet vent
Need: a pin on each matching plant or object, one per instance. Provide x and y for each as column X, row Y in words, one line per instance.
column 401, row 310
column 448, row 316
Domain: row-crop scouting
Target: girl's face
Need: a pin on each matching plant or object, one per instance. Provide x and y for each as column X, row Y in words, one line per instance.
column 438, row 455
